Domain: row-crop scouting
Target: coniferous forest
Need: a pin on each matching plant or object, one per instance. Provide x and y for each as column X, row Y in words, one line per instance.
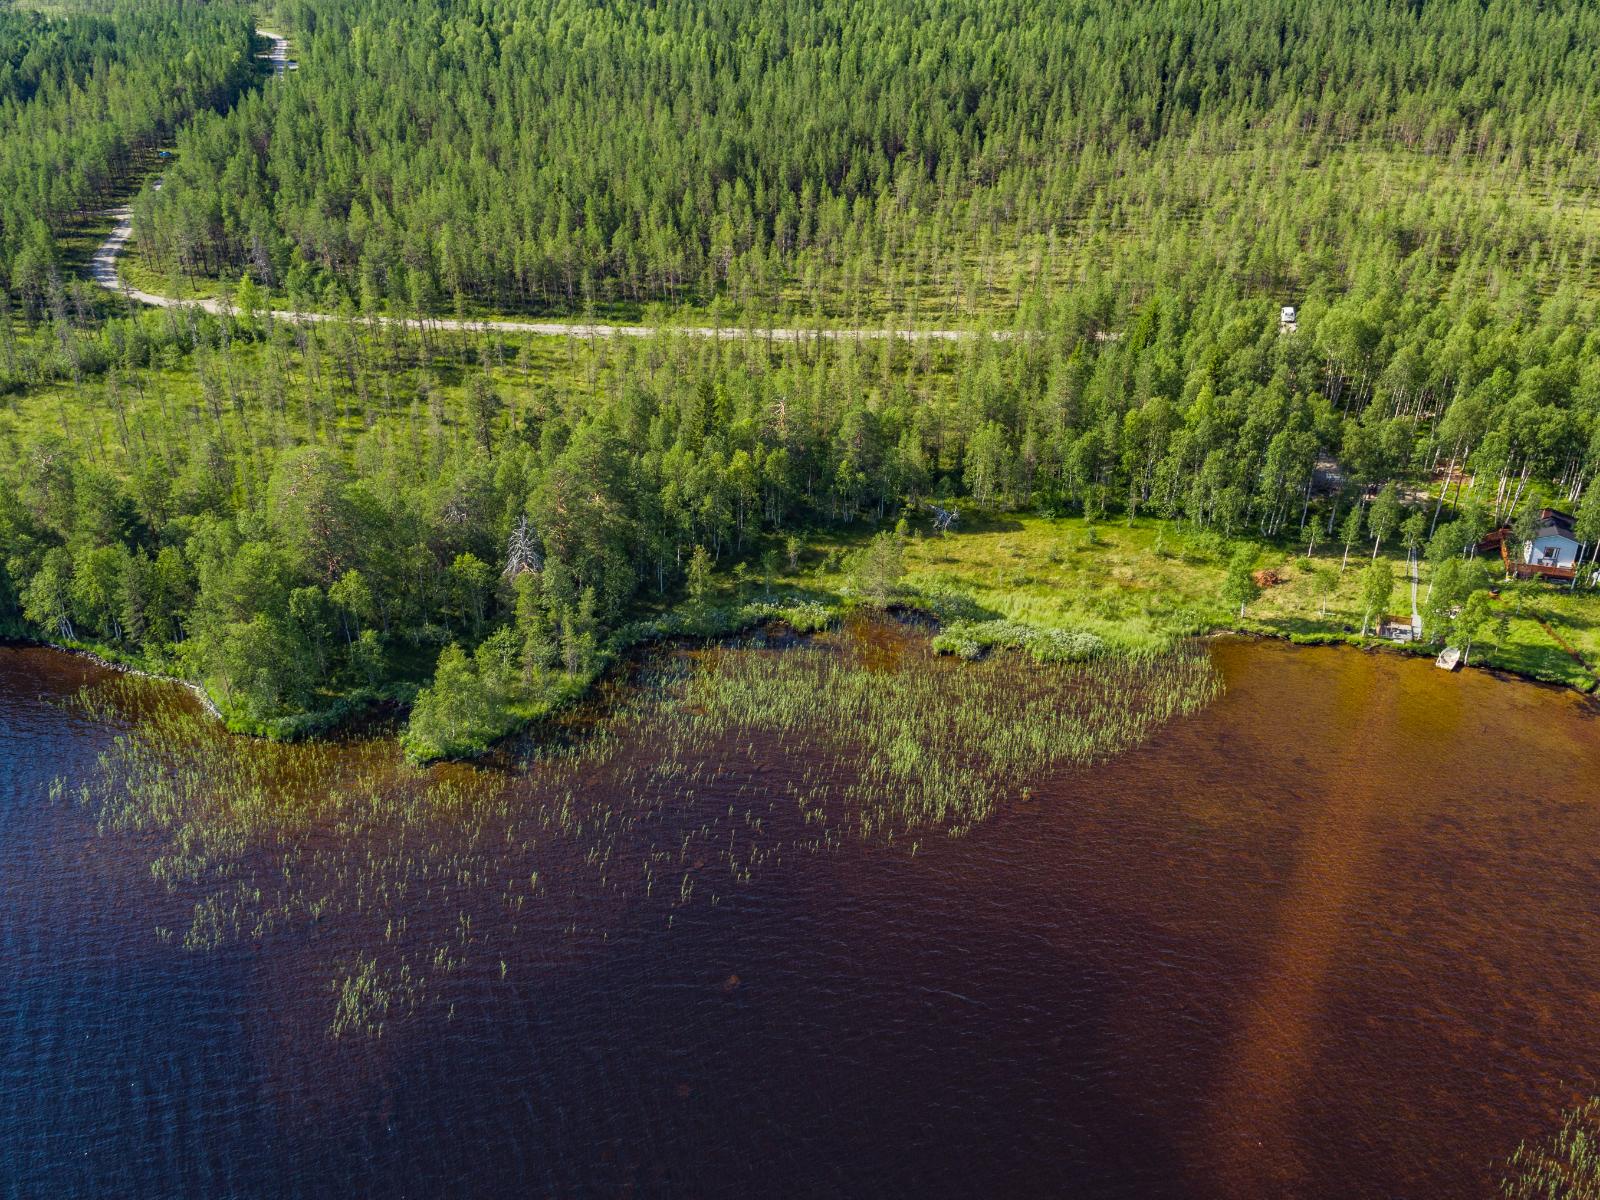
column 84, row 97
column 1049, row 247
column 821, row 598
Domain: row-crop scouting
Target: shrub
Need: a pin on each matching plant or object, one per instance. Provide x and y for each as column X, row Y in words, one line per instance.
column 969, row 639
column 874, row 572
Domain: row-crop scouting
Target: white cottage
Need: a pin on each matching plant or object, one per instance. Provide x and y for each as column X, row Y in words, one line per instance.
column 1553, row 544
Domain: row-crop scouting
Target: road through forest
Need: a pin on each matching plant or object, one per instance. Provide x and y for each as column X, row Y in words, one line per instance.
column 103, row 270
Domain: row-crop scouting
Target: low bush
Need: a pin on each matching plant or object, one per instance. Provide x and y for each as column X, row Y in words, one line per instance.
column 970, row 639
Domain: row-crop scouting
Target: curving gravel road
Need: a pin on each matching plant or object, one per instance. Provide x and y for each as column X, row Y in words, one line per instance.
column 103, row 270
column 278, row 56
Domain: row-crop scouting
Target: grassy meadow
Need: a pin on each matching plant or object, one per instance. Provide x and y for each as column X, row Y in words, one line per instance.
column 1141, row 584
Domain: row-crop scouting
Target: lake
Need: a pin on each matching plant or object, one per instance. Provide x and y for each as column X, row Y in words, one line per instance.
column 1335, row 935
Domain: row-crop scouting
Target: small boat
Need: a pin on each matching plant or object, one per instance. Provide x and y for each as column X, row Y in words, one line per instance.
column 1449, row 659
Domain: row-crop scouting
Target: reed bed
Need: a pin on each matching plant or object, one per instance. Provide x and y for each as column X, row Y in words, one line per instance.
column 691, row 773
column 1566, row 1166
column 908, row 743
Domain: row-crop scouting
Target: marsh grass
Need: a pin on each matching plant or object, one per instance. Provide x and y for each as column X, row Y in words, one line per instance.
column 1563, row 1167
column 694, row 768
column 1142, row 585
column 908, row 743
column 971, row 639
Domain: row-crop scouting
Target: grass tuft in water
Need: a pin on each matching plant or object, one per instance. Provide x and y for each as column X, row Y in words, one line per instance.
column 1565, row 1167
column 704, row 767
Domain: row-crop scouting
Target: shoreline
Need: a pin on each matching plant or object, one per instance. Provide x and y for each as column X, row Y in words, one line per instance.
column 1396, row 650
column 99, row 658
column 353, row 706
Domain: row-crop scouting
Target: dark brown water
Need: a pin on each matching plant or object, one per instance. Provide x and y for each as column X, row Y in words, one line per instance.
column 1334, row 936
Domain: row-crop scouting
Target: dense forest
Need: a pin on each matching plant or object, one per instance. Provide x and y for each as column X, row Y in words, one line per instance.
column 556, row 155
column 83, row 96
column 301, row 516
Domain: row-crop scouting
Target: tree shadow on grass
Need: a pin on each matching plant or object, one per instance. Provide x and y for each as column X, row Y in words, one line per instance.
column 950, row 604
column 1560, row 618
column 977, row 521
column 1308, row 628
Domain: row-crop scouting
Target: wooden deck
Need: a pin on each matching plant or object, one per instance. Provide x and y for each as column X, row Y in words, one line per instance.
column 1522, row 570
column 1540, row 571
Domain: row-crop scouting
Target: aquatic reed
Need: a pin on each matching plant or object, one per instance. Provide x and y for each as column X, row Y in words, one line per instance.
column 1565, row 1166
column 693, row 770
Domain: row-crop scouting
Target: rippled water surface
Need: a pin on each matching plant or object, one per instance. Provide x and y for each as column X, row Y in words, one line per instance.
column 1334, row 936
